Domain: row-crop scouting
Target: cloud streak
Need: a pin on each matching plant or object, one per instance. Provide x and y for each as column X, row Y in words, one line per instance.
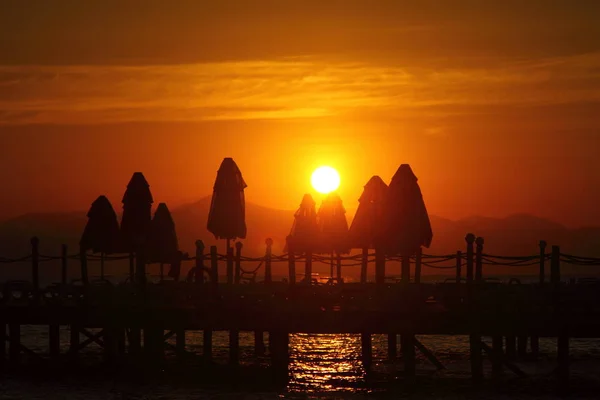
column 299, row 87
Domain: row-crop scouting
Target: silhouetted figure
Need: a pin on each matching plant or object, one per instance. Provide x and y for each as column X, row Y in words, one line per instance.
column 161, row 244
column 227, row 215
column 333, row 228
column 368, row 219
column 101, row 233
column 406, row 226
column 137, row 213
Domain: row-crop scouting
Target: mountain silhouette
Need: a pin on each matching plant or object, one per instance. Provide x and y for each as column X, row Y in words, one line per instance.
column 516, row 235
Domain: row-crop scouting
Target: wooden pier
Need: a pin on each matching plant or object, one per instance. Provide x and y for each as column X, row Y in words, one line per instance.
column 135, row 312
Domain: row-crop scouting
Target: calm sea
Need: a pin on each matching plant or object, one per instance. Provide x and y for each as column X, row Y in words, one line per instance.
column 322, row 366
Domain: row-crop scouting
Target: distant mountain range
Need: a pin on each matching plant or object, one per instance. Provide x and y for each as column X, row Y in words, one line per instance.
column 517, row 234
column 513, row 235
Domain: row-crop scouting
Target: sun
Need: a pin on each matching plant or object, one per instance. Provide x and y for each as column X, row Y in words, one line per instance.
column 325, row 179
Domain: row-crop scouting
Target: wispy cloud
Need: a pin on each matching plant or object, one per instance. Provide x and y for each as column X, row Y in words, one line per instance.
column 284, row 88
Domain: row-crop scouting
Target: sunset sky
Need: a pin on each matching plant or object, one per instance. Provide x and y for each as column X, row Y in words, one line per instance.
column 495, row 104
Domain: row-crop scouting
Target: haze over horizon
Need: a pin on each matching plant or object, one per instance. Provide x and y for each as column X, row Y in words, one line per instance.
column 493, row 105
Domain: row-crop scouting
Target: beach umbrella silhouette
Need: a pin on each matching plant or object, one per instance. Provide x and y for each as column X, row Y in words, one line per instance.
column 136, row 218
column 227, row 215
column 366, row 224
column 406, row 226
column 305, row 229
column 137, row 213
column 101, row 233
column 333, row 228
column 161, row 243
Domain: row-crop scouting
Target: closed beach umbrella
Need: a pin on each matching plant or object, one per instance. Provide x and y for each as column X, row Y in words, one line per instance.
column 227, row 215
column 161, row 244
column 305, row 229
column 137, row 212
column 406, row 225
column 333, row 229
column 367, row 220
column 101, row 233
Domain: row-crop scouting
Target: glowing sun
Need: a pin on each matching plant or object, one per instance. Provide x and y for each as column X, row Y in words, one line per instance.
column 325, row 179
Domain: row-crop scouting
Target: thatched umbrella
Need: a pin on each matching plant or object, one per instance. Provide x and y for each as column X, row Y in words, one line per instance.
column 406, row 226
column 303, row 236
column 137, row 214
column 366, row 224
column 333, row 228
column 227, row 216
column 161, row 244
column 101, row 233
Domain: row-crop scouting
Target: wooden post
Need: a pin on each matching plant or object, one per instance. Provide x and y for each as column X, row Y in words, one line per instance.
column 230, row 277
column 458, row 265
column 563, row 361
column 64, row 257
column 405, row 272
column 268, row 271
column 234, row 346
column 2, row 344
column 214, row 266
column 84, row 268
column 339, row 267
column 364, row 265
column 418, row 261
column 498, row 352
column 392, row 346
column 511, row 347
column 308, row 268
column 543, row 245
column 102, row 265
column 199, row 273
column 479, row 260
column 238, row 262
column 291, row 265
column 35, row 268
column 379, row 267
column 14, row 351
column 470, row 238
column 135, row 341
column 366, row 351
column 180, row 342
column 73, row 340
column 54, row 341
column 131, row 268
column 259, row 344
column 207, row 345
column 555, row 265
column 522, row 346
column 408, row 354
column 279, row 343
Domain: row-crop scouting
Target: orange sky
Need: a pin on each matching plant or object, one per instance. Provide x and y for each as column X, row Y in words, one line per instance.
column 496, row 109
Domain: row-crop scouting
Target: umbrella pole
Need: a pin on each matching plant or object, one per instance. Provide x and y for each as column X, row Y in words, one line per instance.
column 331, row 267
column 102, row 265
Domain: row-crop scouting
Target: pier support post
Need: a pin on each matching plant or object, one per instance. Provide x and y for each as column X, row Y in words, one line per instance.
column 497, row 344
column 366, row 351
column 207, row 346
column 14, row 333
column 180, row 342
column 54, row 341
column 73, row 340
column 259, row 344
column 392, row 346
column 135, row 341
column 379, row 267
column 2, row 345
column 563, row 361
column 279, row 344
column 408, row 354
column 535, row 347
column 111, row 346
column 234, row 347
column 522, row 346
column 511, row 347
